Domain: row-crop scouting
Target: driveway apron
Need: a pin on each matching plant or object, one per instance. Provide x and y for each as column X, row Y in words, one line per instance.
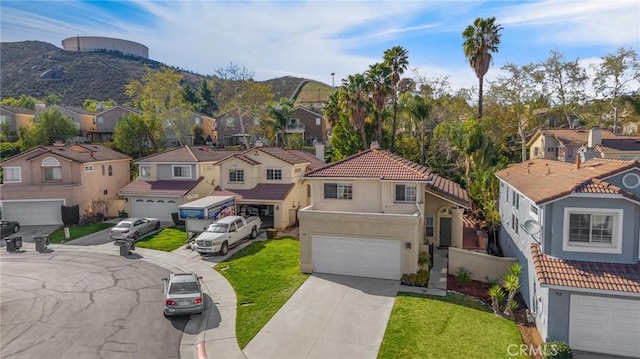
column 329, row 316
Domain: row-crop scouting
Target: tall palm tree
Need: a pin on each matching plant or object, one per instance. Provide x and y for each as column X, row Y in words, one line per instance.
column 480, row 40
column 397, row 58
column 280, row 113
column 378, row 77
column 354, row 94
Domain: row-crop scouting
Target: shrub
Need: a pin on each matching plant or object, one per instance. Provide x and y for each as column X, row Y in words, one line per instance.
column 272, row 233
column 463, row 276
column 424, row 260
column 422, row 278
column 556, row 350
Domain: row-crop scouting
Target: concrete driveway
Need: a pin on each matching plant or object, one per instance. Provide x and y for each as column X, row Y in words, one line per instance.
column 28, row 232
column 330, row 316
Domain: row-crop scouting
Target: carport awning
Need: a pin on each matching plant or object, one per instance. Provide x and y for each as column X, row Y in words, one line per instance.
column 261, row 192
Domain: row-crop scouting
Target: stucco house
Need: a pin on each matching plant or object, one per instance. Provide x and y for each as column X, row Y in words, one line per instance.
column 372, row 213
column 311, row 125
column 268, row 182
column 179, row 117
column 16, row 117
column 575, row 229
column 235, row 124
column 82, row 118
column 37, row 182
column 170, row 178
column 105, row 121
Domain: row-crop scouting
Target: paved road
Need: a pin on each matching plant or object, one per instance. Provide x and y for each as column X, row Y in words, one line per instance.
column 63, row 305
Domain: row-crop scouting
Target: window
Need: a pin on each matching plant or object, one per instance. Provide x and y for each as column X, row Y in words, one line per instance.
column 569, row 151
column 428, row 226
column 515, row 225
column 181, row 171
column 52, row 169
column 533, row 209
column 592, row 229
column 297, row 170
column 515, row 200
column 12, row 174
column 273, row 174
column 338, row 191
column 103, row 170
column 198, row 121
column 405, row 193
column 110, row 170
column 506, row 198
column 536, row 151
column 145, row 170
column 88, row 168
column 236, row 176
column 318, row 121
column 100, row 120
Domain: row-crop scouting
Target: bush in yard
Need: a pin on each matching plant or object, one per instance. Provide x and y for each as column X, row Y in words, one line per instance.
column 463, row 276
column 556, row 350
column 422, row 278
column 512, row 285
column 497, row 295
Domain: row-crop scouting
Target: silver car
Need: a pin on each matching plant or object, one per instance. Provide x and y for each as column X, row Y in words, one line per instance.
column 133, row 228
column 182, row 294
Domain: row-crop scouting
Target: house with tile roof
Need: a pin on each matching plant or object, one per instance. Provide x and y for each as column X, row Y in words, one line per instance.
column 82, row 118
column 234, row 125
column 37, row 182
column 104, row 123
column 567, row 145
column 575, row 229
column 170, row 178
column 311, row 125
column 268, row 182
column 16, row 117
column 179, row 123
column 372, row 213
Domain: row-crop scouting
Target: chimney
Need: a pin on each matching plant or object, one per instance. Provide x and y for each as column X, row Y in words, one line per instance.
column 320, row 151
column 578, row 161
column 374, row 145
column 595, row 137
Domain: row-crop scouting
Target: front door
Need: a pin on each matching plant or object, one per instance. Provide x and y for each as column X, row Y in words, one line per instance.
column 445, row 231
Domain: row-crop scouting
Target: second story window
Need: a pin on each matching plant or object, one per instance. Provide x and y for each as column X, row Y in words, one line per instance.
column 12, row 174
column 338, row 191
column 52, row 170
column 110, row 170
column 88, row 168
column 274, row 174
column 515, row 200
column 145, row 170
column 181, row 172
column 236, row 176
column 405, row 193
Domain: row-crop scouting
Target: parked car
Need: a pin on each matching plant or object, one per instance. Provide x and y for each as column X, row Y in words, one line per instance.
column 182, row 294
column 226, row 232
column 9, row 227
column 133, row 228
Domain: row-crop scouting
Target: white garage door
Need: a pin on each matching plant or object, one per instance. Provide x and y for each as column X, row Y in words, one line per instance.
column 605, row 325
column 154, row 208
column 33, row 213
column 376, row 258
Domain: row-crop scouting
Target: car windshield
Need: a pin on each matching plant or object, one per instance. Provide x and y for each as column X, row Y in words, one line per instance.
column 218, row 228
column 123, row 225
column 184, row 288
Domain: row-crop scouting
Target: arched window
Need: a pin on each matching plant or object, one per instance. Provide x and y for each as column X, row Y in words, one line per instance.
column 110, row 170
column 51, row 169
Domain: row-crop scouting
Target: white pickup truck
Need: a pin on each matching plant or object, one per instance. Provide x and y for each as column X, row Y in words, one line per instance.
column 227, row 232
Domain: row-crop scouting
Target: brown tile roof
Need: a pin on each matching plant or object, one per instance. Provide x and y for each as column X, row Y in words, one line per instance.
column 78, row 110
column 18, row 110
column 545, row 180
column 314, row 162
column 159, row 188
column 188, row 154
column 619, row 144
column 281, row 154
column 570, row 137
column 383, row 165
column 617, row 277
column 83, row 153
column 261, row 192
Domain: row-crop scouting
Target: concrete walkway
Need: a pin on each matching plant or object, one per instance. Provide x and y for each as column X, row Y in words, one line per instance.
column 329, row 316
column 437, row 276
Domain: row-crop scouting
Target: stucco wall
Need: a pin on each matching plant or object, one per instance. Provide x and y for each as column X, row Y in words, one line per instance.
column 481, row 265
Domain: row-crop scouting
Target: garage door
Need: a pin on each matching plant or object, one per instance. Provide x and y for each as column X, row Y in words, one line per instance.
column 605, row 325
column 376, row 258
column 33, row 213
column 154, row 208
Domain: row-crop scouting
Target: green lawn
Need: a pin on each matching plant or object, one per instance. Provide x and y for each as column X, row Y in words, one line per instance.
column 455, row 326
column 166, row 240
column 78, row 231
column 264, row 276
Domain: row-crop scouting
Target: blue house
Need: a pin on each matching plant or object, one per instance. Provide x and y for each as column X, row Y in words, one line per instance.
column 575, row 228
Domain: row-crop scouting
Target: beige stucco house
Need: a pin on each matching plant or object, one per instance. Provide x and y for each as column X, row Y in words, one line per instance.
column 16, row 117
column 37, row 182
column 372, row 213
column 268, row 182
column 186, row 119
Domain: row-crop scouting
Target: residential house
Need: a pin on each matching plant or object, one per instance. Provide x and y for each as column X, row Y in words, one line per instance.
column 185, row 120
column 170, row 178
column 575, row 229
column 39, row 181
column 105, row 121
column 82, row 118
column 16, row 117
column 313, row 127
column 372, row 213
column 568, row 145
column 268, row 182
column 237, row 127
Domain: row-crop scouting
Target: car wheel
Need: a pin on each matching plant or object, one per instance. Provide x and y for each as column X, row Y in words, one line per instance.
column 157, row 226
column 254, row 232
column 225, row 248
column 135, row 236
column 16, row 228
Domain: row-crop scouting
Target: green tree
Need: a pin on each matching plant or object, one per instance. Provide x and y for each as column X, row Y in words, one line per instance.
column 279, row 112
column 208, row 104
column 5, row 132
column 49, row 126
column 616, row 76
column 480, row 40
column 420, row 110
column 132, row 135
column 332, row 109
column 379, row 79
column 354, row 94
column 52, row 99
column 93, row 105
column 345, row 140
column 564, row 82
column 198, row 134
column 397, row 58
column 23, row 101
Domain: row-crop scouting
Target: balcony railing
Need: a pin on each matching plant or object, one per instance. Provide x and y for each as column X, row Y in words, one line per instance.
column 294, row 128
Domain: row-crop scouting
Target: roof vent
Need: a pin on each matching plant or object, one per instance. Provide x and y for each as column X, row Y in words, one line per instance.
column 58, row 144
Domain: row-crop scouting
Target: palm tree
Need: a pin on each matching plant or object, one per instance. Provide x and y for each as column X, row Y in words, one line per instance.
column 397, row 59
column 480, row 40
column 332, row 109
column 380, row 82
column 280, row 114
column 420, row 111
column 354, row 94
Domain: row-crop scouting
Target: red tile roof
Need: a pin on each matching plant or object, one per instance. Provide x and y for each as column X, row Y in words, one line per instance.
column 383, row 165
column 261, row 192
column 83, row 153
column 616, row 277
column 188, row 154
column 281, row 154
column 545, row 180
column 159, row 188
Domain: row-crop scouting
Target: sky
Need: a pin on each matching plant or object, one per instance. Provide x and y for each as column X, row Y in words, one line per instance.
column 313, row 39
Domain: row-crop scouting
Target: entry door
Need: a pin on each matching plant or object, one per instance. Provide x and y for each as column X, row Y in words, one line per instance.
column 445, row 231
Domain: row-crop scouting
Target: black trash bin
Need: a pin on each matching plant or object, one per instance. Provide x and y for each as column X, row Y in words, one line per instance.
column 42, row 241
column 13, row 244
